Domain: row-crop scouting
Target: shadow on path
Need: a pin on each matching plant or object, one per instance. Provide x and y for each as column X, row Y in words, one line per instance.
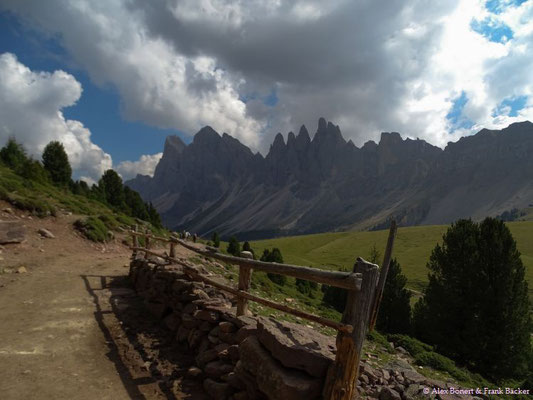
column 150, row 363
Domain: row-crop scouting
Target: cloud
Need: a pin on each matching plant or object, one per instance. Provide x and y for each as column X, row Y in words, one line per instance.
column 144, row 166
column 369, row 66
column 31, row 106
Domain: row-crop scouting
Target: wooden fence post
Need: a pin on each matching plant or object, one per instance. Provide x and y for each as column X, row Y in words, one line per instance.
column 383, row 275
column 172, row 253
column 135, row 240
column 146, row 242
column 245, row 278
column 342, row 376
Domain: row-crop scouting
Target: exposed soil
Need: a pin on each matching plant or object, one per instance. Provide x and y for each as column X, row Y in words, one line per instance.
column 70, row 327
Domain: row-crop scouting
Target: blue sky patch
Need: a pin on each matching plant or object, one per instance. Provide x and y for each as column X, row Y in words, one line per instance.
column 510, row 106
column 98, row 108
column 455, row 116
column 492, row 29
column 498, row 6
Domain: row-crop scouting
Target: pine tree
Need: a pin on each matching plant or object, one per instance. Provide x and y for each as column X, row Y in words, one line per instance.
column 395, row 310
column 55, row 161
column 153, row 216
column 13, row 155
column 136, row 206
column 111, row 185
column 234, row 247
column 476, row 308
column 216, row 239
column 274, row 255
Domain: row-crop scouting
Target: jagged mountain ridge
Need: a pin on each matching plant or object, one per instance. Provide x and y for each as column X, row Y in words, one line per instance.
column 325, row 183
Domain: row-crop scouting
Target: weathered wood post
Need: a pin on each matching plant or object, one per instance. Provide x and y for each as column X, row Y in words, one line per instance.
column 146, row 242
column 341, row 380
column 135, row 240
column 245, row 278
column 383, row 274
column 172, row 253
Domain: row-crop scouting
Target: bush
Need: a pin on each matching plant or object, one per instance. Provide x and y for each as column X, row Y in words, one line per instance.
column 412, row 345
column 441, row 363
column 306, row 287
column 93, row 229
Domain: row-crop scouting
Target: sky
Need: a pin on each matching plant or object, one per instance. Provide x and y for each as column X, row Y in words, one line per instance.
column 112, row 79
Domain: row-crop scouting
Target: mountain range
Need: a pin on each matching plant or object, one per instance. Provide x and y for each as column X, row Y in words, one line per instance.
column 325, row 183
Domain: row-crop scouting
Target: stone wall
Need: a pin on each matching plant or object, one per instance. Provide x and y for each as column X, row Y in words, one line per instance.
column 247, row 358
column 237, row 357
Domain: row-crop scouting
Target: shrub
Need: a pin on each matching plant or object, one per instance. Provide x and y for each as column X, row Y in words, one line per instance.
column 92, row 228
column 412, row 345
column 441, row 363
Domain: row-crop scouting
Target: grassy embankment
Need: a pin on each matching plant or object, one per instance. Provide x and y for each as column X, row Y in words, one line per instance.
column 43, row 199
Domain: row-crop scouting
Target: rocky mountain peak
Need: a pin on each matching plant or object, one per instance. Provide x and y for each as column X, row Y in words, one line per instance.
column 328, row 133
column 303, row 137
column 324, row 184
column 173, row 146
column 390, row 138
column 206, row 135
column 291, row 139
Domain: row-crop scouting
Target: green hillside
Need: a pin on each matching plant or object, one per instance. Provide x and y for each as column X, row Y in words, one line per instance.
column 412, row 248
column 43, row 199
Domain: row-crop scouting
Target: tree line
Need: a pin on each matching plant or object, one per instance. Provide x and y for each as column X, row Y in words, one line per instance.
column 55, row 168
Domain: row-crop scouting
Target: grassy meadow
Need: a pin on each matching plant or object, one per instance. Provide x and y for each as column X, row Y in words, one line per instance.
column 412, row 248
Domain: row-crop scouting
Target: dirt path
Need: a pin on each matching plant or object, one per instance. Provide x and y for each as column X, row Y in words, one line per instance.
column 71, row 329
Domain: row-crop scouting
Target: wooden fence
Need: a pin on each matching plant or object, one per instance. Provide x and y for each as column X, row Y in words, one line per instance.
column 364, row 285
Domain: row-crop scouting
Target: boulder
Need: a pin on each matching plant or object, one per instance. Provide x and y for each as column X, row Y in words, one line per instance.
column 399, row 366
column 207, row 356
column 12, row 232
column 245, row 331
column 215, row 369
column 272, row 378
column 206, row 315
column 413, row 377
column 296, row 346
column 46, row 233
column 217, row 390
column 389, row 394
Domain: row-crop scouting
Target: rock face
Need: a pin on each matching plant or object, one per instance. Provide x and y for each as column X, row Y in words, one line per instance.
column 304, row 186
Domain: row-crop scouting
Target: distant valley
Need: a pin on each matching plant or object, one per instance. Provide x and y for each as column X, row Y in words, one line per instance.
column 325, row 183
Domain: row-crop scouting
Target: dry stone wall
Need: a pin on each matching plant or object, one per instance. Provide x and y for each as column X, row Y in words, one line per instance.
column 248, row 358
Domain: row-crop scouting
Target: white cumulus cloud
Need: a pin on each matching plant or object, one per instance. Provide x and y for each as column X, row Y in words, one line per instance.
column 31, row 106
column 145, row 165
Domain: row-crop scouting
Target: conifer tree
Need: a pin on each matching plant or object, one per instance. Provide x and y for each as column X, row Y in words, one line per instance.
column 394, row 314
column 476, row 308
column 55, row 161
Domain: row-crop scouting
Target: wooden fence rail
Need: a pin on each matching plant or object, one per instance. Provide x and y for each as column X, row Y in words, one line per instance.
column 364, row 284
